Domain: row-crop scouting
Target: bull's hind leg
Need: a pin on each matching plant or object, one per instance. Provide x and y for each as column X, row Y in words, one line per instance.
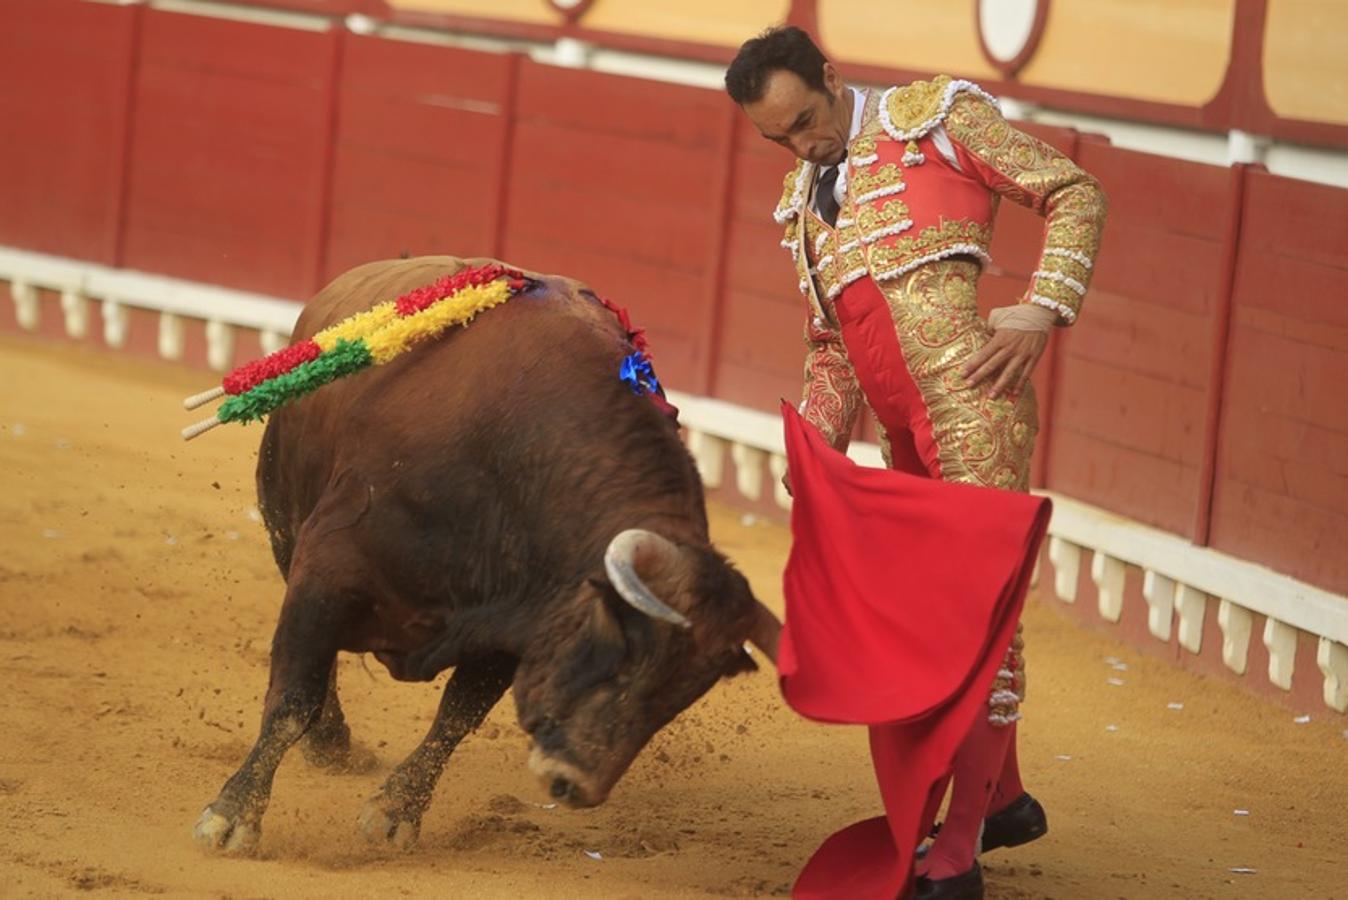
column 394, row 814
column 328, row 745
column 304, row 648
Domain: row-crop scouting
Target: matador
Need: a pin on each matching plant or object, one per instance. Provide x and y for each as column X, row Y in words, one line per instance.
column 887, row 217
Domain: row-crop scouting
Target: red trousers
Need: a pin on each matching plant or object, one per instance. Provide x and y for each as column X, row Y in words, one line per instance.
column 877, row 359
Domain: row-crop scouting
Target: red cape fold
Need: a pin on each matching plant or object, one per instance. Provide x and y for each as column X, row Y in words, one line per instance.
column 902, row 596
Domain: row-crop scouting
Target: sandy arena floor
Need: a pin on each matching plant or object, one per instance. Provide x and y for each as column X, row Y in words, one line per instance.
column 138, row 598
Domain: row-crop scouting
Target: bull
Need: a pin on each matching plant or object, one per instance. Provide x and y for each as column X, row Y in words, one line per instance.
column 497, row 501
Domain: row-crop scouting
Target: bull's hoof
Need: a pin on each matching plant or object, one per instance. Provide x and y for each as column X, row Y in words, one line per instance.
column 222, row 834
column 382, row 822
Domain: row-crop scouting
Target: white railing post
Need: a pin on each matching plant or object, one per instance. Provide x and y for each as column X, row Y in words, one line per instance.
column 1281, row 641
column 749, row 464
column 25, row 304
column 271, row 341
column 170, row 336
column 219, row 345
column 1159, row 592
column 708, row 452
column 1236, row 624
column 1108, row 575
column 116, row 323
column 1332, row 658
column 75, row 307
column 1191, row 605
column 1066, row 559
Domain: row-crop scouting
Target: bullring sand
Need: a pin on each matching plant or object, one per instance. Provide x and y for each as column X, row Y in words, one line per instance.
column 138, row 598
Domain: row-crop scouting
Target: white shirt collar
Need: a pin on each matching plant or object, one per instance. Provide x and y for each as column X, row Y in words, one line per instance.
column 840, row 186
column 858, row 108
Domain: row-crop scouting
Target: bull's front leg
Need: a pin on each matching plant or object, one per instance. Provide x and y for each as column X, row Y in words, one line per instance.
column 304, row 651
column 328, row 743
column 394, row 814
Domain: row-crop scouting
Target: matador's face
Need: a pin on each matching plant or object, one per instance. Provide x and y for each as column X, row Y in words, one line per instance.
column 811, row 124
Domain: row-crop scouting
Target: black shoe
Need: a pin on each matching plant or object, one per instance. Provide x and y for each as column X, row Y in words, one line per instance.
column 964, row 886
column 1019, row 823
column 1022, row 821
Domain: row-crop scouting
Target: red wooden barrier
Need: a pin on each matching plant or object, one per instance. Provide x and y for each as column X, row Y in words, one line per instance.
column 229, row 153
column 420, row 152
column 762, row 344
column 65, row 70
column 267, row 158
column 324, row 7
column 1281, row 494
column 1134, row 371
column 618, row 181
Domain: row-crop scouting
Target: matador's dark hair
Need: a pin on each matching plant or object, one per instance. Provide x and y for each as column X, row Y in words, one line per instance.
column 787, row 47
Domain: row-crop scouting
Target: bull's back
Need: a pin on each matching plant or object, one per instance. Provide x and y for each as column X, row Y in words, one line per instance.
column 543, row 363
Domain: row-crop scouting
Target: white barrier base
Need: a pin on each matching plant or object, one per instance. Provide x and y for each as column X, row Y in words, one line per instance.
column 1180, row 581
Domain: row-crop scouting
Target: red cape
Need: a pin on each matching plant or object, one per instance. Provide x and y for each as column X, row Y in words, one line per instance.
column 902, row 596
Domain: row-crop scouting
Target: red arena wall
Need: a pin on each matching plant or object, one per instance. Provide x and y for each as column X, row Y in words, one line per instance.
column 230, row 137
column 1134, row 374
column 1281, row 486
column 419, row 152
column 1200, row 392
column 64, row 98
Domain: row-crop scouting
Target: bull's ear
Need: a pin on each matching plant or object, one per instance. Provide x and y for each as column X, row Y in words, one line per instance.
column 598, row 655
column 606, row 629
column 620, row 622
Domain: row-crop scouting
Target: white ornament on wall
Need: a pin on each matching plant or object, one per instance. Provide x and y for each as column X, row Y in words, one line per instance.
column 1009, row 31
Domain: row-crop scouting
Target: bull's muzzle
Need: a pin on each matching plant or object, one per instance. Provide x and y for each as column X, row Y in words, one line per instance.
column 565, row 781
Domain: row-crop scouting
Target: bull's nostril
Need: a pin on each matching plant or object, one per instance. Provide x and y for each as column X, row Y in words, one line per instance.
column 560, row 787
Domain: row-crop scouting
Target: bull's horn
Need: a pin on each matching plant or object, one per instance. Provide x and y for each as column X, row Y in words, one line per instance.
column 620, row 564
column 766, row 631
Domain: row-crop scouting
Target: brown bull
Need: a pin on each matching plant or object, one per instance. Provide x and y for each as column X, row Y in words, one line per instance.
column 497, row 501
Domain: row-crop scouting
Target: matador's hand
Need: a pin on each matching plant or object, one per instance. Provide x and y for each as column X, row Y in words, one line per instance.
column 1014, row 350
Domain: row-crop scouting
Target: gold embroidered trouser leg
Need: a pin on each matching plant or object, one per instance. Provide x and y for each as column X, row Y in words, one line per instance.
column 907, row 339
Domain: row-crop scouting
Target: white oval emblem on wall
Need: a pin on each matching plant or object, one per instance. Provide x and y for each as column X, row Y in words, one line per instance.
column 1009, row 31
column 572, row 9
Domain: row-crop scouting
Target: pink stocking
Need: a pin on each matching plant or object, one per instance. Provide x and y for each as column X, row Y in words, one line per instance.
column 977, row 766
column 1008, row 785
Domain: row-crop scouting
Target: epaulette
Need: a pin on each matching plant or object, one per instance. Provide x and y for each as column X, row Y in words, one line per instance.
column 793, row 193
column 909, row 112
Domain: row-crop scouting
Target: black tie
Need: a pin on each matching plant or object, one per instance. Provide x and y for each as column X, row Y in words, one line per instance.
column 828, row 204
